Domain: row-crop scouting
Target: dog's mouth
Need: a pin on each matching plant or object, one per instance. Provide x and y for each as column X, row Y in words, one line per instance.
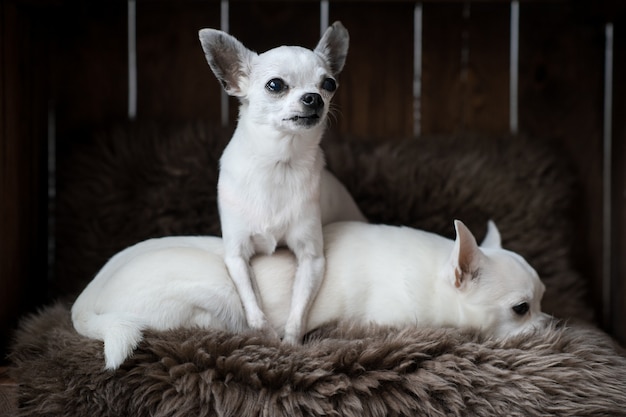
column 305, row 120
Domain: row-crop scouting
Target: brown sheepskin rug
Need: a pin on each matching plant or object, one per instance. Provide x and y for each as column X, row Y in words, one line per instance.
column 340, row 371
column 139, row 181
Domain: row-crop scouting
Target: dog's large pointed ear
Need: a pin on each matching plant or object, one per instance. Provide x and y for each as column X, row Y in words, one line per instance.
column 492, row 238
column 466, row 256
column 229, row 60
column 333, row 47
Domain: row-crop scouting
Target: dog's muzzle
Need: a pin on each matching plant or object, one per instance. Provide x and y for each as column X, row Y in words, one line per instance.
column 313, row 104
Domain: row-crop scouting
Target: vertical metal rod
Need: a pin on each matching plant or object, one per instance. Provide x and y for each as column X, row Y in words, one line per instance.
column 607, row 236
column 324, row 13
column 224, row 25
column 417, row 70
column 514, row 68
column 132, row 59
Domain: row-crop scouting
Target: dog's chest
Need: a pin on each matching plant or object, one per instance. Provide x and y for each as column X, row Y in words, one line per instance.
column 270, row 197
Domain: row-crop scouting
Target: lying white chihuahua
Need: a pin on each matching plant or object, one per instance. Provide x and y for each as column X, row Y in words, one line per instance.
column 374, row 274
column 272, row 186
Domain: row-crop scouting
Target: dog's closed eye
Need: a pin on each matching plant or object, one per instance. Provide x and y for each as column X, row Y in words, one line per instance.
column 521, row 308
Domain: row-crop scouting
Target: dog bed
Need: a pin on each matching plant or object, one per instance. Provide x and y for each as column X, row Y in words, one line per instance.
column 139, row 181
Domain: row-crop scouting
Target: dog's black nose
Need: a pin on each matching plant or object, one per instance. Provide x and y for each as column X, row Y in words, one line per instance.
column 313, row 101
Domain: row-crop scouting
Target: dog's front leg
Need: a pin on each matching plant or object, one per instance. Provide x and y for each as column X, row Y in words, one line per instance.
column 243, row 277
column 307, row 282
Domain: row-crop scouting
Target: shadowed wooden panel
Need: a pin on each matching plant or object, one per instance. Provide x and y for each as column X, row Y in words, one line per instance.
column 561, row 96
column 175, row 81
column 466, row 68
column 619, row 183
column 23, row 94
column 376, row 96
column 90, row 82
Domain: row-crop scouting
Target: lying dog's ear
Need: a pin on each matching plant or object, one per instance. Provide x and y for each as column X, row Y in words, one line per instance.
column 466, row 256
column 229, row 60
column 333, row 47
column 492, row 239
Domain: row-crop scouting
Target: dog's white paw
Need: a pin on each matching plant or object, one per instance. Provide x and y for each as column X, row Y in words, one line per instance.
column 264, row 326
column 293, row 340
column 293, row 334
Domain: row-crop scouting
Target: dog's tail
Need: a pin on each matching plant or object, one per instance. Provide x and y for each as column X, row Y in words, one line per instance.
column 120, row 332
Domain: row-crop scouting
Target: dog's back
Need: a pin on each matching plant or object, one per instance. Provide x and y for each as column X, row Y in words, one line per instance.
column 158, row 284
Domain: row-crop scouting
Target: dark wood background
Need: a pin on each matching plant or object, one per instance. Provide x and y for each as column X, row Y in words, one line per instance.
column 70, row 57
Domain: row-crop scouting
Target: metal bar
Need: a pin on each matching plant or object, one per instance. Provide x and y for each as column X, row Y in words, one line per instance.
column 224, row 25
column 607, row 238
column 514, row 68
column 324, row 16
column 132, row 59
column 417, row 70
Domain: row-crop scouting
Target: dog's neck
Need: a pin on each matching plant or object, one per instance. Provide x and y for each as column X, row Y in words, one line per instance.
column 272, row 145
column 451, row 308
column 456, row 312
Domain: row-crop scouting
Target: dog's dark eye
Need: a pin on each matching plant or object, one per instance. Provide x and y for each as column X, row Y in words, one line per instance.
column 276, row 85
column 521, row 308
column 329, row 85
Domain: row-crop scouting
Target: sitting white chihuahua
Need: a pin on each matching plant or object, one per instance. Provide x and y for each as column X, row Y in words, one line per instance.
column 272, row 186
column 374, row 274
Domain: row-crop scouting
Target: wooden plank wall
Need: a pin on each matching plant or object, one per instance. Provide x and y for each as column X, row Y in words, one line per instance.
column 23, row 102
column 73, row 55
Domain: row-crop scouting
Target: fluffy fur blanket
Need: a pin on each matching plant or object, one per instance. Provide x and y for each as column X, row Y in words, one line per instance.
column 137, row 182
column 340, row 371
